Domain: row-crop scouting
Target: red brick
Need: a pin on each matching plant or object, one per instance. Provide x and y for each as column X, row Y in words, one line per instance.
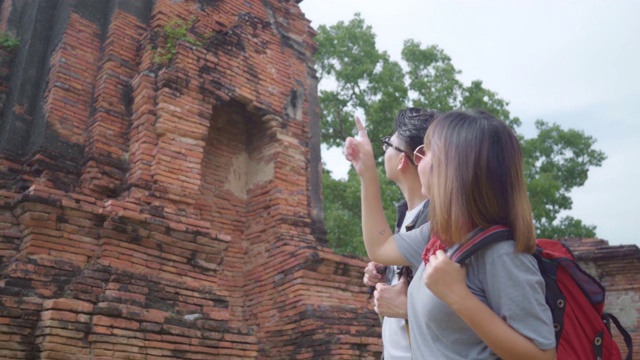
column 115, row 322
column 58, row 315
column 69, row 305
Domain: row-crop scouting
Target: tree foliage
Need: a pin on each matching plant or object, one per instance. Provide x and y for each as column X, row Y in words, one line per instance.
column 358, row 79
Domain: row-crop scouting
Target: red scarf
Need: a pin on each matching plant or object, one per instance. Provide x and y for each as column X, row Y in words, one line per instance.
column 434, row 245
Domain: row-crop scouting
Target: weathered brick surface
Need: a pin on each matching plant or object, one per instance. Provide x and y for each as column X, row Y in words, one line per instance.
column 156, row 209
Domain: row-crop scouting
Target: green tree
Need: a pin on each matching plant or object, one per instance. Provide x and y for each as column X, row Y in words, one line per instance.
column 557, row 161
column 358, row 79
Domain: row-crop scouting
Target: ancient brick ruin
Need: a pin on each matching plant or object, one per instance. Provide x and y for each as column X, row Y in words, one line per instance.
column 160, row 189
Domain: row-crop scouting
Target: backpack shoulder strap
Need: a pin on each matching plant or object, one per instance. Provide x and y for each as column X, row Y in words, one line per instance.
column 480, row 238
column 625, row 335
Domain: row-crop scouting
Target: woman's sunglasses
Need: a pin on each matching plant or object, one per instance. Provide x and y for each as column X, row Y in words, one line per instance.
column 419, row 154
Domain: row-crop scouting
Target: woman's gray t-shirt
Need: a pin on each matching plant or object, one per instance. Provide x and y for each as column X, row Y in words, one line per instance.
column 508, row 282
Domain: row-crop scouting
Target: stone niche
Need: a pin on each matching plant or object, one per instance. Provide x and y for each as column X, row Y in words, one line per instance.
column 160, row 193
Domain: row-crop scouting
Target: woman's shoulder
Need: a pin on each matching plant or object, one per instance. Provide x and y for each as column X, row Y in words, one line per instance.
column 502, row 251
column 501, row 261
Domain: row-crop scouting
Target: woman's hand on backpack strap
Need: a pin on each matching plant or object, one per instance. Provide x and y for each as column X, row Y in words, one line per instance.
column 446, row 279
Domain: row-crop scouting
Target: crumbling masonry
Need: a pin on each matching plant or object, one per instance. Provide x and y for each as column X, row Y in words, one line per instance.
column 160, row 189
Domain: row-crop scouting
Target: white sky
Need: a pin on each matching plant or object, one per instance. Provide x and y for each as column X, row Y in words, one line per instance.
column 572, row 62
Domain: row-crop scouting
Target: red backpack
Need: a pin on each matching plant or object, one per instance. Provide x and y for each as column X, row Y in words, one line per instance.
column 576, row 299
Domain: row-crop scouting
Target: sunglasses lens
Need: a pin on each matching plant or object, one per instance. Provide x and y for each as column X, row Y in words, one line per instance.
column 385, row 143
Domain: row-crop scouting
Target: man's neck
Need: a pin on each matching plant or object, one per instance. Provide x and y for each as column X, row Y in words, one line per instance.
column 412, row 193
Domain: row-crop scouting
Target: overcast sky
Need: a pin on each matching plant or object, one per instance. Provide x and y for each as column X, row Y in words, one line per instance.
column 574, row 63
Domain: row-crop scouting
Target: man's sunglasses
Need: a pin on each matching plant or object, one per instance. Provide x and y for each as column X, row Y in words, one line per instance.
column 415, row 158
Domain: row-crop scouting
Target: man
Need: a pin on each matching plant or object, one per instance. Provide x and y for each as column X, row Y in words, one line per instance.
column 390, row 296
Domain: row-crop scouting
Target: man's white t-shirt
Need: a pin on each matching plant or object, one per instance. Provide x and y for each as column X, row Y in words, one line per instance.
column 394, row 331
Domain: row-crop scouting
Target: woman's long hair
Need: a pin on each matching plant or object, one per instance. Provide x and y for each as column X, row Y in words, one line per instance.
column 477, row 179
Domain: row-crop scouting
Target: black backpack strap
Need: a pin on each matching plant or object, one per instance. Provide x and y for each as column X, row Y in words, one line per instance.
column 381, row 271
column 420, row 219
column 623, row 332
column 401, row 212
column 479, row 239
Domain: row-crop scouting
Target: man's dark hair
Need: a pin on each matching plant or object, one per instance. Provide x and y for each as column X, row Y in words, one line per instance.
column 411, row 124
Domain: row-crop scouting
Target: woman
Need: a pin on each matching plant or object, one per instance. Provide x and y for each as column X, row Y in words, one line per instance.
column 471, row 169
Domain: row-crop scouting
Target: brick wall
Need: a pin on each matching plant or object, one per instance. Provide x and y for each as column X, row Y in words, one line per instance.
column 156, row 208
column 165, row 209
column 618, row 269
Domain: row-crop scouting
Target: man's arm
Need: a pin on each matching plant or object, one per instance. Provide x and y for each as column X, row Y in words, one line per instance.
column 377, row 235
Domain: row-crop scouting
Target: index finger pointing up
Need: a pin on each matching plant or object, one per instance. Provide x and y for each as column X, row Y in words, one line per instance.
column 362, row 132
